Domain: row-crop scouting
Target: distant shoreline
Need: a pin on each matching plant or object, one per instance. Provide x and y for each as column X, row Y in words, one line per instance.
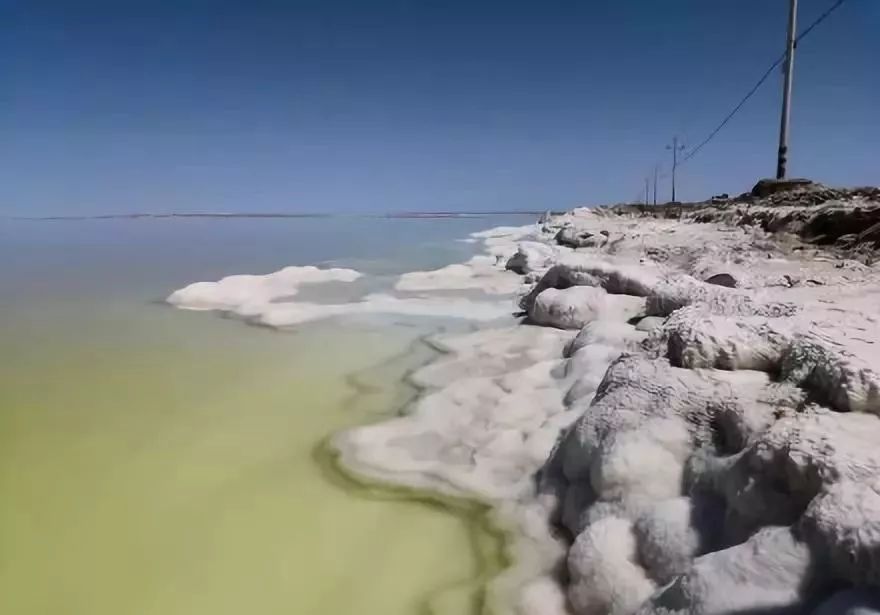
column 220, row 215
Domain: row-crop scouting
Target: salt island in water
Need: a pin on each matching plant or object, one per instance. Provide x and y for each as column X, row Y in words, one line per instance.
column 666, row 410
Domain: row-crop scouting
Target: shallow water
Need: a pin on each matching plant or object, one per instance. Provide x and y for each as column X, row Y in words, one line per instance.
column 159, row 461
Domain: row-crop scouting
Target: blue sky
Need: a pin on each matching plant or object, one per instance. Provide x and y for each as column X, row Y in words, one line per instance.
column 357, row 106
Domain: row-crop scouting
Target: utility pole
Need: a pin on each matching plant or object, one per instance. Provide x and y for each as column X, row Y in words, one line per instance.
column 675, row 147
column 656, row 170
column 647, row 191
column 782, row 158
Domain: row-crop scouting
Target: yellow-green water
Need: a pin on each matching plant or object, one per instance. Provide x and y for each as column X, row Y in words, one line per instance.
column 158, row 462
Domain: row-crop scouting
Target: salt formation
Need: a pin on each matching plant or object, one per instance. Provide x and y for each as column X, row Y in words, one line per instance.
column 482, row 272
column 575, row 307
column 532, row 256
column 479, row 273
column 728, row 465
column 269, row 299
column 235, row 293
column 710, row 431
column 686, row 420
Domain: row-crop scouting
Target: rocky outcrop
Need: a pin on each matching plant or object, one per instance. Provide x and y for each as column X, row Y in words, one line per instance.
column 532, row 256
column 769, row 187
column 847, row 220
column 726, row 462
column 575, row 307
column 581, row 238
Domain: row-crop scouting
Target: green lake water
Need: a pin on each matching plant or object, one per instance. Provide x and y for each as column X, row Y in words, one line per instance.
column 156, row 461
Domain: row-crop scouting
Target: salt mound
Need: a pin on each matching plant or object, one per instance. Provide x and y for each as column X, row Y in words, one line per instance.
column 268, row 299
column 485, row 272
column 532, row 256
column 582, row 270
column 575, row 307
column 234, row 292
column 727, row 463
column 289, row 314
column 480, row 273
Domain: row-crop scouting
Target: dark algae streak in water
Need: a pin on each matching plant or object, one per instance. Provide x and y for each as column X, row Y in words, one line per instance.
column 487, row 541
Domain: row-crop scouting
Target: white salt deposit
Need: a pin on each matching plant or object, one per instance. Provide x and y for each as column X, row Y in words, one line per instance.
column 719, row 456
column 235, row 292
column 577, row 306
column 269, row 299
column 479, row 273
column 532, row 257
column 485, row 272
column 684, row 489
column 295, row 313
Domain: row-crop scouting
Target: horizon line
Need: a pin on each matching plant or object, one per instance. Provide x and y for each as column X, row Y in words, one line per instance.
column 275, row 215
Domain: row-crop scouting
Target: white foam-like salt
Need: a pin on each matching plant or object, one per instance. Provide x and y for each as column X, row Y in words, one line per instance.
column 479, row 273
column 485, row 272
column 234, row 292
column 270, row 299
column 294, row 313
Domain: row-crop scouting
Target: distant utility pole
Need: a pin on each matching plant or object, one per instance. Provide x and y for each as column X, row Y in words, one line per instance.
column 782, row 159
column 656, row 170
column 647, row 190
column 675, row 147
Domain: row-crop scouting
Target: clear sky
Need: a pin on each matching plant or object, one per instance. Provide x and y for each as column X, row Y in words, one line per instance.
column 377, row 105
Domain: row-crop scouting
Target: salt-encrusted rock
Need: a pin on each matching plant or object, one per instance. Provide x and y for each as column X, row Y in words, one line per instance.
column 789, row 483
column 675, row 292
column 636, row 393
column 628, row 453
column 574, row 307
column 606, row 578
column 694, row 339
column 590, row 359
column 581, row 238
column 586, row 367
column 649, row 323
column 532, row 256
column 788, row 347
column 843, row 524
column 605, row 333
column 772, row 572
column 617, row 473
column 845, row 382
column 578, row 271
column 815, row 460
column 672, row 532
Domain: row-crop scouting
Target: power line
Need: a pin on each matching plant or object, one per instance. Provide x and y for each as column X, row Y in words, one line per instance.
column 760, row 82
column 819, row 20
column 736, row 109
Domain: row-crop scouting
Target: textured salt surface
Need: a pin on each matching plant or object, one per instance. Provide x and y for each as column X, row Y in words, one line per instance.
column 716, row 457
column 270, row 299
column 236, row 293
column 693, row 429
